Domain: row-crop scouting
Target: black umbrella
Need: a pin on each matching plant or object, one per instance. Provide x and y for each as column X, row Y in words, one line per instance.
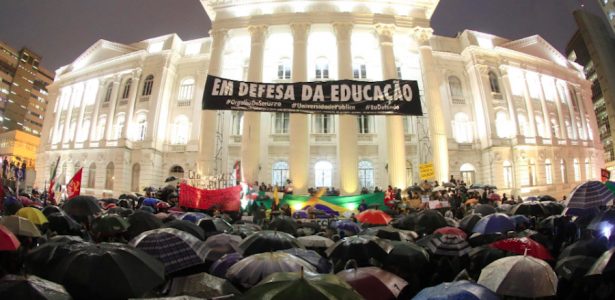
column 170, row 178
column 484, row 209
column 267, row 241
column 390, row 233
column 530, row 209
column 360, row 248
column 478, row 239
column 607, row 216
column 482, row 256
column 31, row 287
column 312, row 257
column 81, row 207
column 141, row 221
column 604, row 265
column 188, row 227
column 408, row 257
column 467, row 223
column 284, row 224
column 428, row 221
column 62, row 223
column 110, row 271
column 244, row 230
column 448, row 245
column 553, row 208
column 544, row 198
column 588, row 247
column 574, row 267
column 44, row 259
column 47, row 210
column 109, row 225
column 209, row 224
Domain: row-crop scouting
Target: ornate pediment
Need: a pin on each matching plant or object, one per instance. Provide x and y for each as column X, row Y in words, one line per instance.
column 102, row 50
column 536, row 46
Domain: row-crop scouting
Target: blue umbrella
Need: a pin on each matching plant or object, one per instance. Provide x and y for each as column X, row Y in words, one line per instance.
column 222, row 265
column 589, row 194
column 459, row 290
column 348, row 226
column 193, row 217
column 150, row 202
column 494, row 223
column 520, row 219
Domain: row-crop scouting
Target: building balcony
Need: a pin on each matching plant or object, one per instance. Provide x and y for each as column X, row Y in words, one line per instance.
column 184, row 103
column 175, row 147
column 279, row 137
column 366, row 138
column 323, row 138
column 143, row 98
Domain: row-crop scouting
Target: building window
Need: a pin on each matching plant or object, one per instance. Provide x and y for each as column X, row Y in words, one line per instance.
column 279, row 173
column 502, row 125
column 323, row 123
column 532, row 173
column 280, row 121
column 524, row 127
column 366, row 124
column 548, row 172
column 92, row 176
column 186, row 89
column 120, row 121
column 462, row 128
column 148, row 84
column 141, row 127
column 399, row 72
column 323, row 173
column 82, row 133
column 508, row 174
column 581, row 131
column 71, row 130
column 494, row 83
column 237, row 123
column 176, row 171
column 562, row 168
column 590, row 135
column 366, row 174
column 454, row 85
column 108, row 92
column 109, row 176
column 554, row 129
column 576, row 169
column 322, row 68
column 126, row 90
column 284, row 69
column 569, row 130
column 533, row 84
column 548, row 88
column 181, row 131
column 540, row 126
column 100, row 128
column 359, row 69
column 467, row 173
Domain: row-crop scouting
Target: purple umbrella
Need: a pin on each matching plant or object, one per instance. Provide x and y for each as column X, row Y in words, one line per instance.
column 222, row 265
column 520, row 219
column 348, row 226
column 193, row 217
column 493, row 223
column 328, row 211
column 312, row 257
column 300, row 214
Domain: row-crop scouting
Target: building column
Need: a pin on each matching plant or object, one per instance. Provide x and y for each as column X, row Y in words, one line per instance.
column 250, row 137
column 299, row 158
column 572, row 113
column 545, row 113
column 560, row 115
column 94, row 123
column 81, row 113
column 112, row 107
column 347, row 136
column 58, row 115
column 132, row 100
column 529, row 106
column 437, row 128
column 69, row 116
column 510, row 100
column 582, row 116
column 208, row 117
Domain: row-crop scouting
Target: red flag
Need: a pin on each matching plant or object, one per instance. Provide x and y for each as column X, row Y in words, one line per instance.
column 605, row 175
column 73, row 188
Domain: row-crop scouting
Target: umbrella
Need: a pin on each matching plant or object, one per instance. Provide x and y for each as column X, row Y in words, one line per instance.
column 315, row 241
column 449, row 185
column 210, row 225
column 589, row 194
column 463, row 289
column 34, row 215
column 109, row 225
column 553, row 208
column 407, row 256
column 509, row 276
column 574, row 267
column 494, row 223
column 47, row 210
column 110, row 271
column 302, row 285
column 349, row 227
column 544, row 198
column 468, row 222
column 193, row 217
column 588, row 247
column 477, row 239
column 482, row 256
column 605, row 264
column 581, row 212
column 150, row 202
column 11, row 205
column 494, row 197
column 478, row 186
column 188, row 227
column 453, row 231
column 141, row 221
column 520, row 219
column 202, row 285
column 284, row 224
column 176, row 249
column 220, row 266
column 252, row 269
column 8, row 241
column 44, row 259
column 374, row 283
column 31, row 287
column 20, row 226
column 532, row 209
column 374, row 217
column 390, row 233
column 82, row 206
column 531, row 199
column 439, row 189
column 227, row 243
column 428, row 221
column 62, row 223
column 312, row 257
column 523, row 245
column 471, row 201
column 359, row 247
column 600, row 220
column 484, row 209
column 244, row 230
column 266, row 241
column 448, row 245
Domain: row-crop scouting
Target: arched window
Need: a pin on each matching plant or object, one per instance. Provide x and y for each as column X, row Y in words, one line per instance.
column 562, row 168
column 237, row 123
column 508, row 174
column 323, row 173
column 462, row 128
column 524, row 127
column 494, row 83
column 467, row 173
column 581, row 131
column 82, row 133
column 148, row 84
column 555, row 129
column 366, row 124
column 359, row 68
column 576, row 169
column 279, row 173
column 540, row 126
column 92, row 176
column 280, row 122
column 100, row 128
column 323, row 123
column 186, row 89
column 322, row 68
column 108, row 92
column 109, row 176
column 140, row 127
column 181, row 131
column 120, row 121
column 548, row 172
column 366, row 174
column 136, row 174
column 176, row 171
column 454, row 85
column 126, row 90
column 502, row 125
column 532, row 173
column 284, row 69
column 588, row 170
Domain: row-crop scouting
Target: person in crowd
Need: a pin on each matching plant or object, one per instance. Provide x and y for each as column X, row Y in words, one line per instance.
column 362, row 206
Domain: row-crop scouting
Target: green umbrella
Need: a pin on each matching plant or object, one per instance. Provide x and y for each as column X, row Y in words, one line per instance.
column 302, row 285
column 109, row 225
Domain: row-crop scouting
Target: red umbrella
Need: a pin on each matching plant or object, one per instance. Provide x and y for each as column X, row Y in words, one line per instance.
column 8, row 241
column 374, row 217
column 521, row 245
column 452, row 230
column 374, row 283
column 494, row 197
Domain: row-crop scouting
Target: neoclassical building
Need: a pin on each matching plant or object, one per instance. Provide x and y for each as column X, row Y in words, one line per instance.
column 514, row 113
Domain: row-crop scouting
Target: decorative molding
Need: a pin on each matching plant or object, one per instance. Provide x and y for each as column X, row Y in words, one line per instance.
column 422, row 35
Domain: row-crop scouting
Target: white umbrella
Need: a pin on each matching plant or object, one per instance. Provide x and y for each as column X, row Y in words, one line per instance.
column 439, row 189
column 315, row 241
column 519, row 276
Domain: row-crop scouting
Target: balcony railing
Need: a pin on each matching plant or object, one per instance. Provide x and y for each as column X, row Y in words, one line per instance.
column 144, row 99
column 183, row 103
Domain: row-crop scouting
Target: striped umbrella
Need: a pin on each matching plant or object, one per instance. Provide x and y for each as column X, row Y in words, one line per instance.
column 448, row 245
column 176, row 249
column 589, row 194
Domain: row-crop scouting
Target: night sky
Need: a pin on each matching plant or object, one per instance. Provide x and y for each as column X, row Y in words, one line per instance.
column 60, row 30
